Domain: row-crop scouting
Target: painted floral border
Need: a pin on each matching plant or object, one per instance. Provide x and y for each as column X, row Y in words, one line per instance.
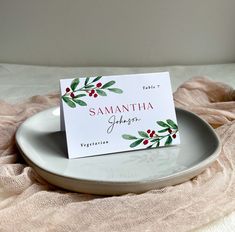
column 93, row 87
column 151, row 138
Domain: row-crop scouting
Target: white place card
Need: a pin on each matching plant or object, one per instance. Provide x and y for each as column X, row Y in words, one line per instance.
column 107, row 114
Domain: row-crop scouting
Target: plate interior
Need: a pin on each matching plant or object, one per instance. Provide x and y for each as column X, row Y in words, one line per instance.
column 41, row 141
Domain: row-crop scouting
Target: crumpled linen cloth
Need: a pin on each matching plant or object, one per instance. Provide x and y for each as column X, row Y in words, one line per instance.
column 31, row 204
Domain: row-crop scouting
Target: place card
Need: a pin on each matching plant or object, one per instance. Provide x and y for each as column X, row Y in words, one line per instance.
column 107, row 114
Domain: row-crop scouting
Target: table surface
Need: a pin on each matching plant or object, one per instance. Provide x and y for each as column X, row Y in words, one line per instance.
column 18, row 82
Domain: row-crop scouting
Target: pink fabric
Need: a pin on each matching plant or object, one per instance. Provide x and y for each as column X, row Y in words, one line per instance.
column 31, row 204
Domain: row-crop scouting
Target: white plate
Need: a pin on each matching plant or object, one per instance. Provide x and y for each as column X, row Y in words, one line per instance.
column 43, row 147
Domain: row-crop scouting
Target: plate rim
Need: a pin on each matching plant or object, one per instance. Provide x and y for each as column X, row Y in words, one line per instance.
column 201, row 165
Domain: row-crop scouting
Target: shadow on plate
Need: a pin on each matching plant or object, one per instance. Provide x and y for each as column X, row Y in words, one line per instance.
column 54, row 142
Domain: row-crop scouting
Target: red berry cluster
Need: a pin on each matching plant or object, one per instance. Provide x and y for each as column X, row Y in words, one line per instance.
column 93, row 92
column 71, row 94
column 151, row 133
column 174, row 135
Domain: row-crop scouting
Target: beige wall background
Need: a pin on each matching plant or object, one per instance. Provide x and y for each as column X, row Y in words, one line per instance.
column 117, row 33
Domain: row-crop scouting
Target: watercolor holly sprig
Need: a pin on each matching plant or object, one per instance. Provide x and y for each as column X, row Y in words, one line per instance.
column 154, row 139
column 92, row 87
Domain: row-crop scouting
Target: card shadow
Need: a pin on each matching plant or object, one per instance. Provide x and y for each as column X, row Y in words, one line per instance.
column 54, row 143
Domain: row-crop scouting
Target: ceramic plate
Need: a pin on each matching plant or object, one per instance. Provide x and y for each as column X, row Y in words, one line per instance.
column 43, row 147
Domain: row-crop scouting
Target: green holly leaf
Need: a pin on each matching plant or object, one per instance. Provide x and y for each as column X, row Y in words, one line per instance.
column 154, row 140
column 108, row 84
column 163, row 130
column 136, row 143
column 80, row 95
column 168, row 141
column 96, row 79
column 69, row 102
column 87, row 80
column 162, row 124
column 143, row 134
column 89, row 86
column 101, row 92
column 74, row 83
column 172, row 124
column 80, row 102
column 128, row 137
column 115, row 90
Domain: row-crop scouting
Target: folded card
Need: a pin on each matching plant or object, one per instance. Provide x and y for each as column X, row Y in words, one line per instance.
column 107, row 114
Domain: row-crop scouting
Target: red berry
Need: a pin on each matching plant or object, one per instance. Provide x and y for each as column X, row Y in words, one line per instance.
column 151, row 135
column 148, row 131
column 92, row 91
column 99, row 85
column 170, row 131
column 153, row 132
column 145, row 142
column 72, row 95
column 90, row 94
column 95, row 95
column 174, row 136
column 67, row 89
